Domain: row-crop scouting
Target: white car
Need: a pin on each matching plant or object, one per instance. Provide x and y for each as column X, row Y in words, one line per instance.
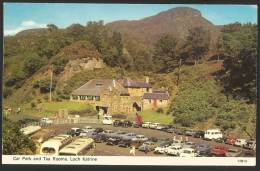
column 174, row 150
column 212, row 134
column 161, row 149
column 140, row 138
column 188, row 152
column 146, row 124
column 88, row 129
column 46, row 121
column 240, row 142
column 107, row 120
column 154, row 125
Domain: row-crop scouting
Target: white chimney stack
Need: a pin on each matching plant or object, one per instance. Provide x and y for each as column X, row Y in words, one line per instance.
column 114, row 83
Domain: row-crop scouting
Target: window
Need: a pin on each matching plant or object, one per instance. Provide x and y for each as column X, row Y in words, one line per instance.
column 82, row 97
column 147, row 89
column 90, row 97
column 97, row 98
column 74, row 97
column 160, row 101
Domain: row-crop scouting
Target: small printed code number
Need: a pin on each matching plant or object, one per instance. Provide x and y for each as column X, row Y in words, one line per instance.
column 242, row 161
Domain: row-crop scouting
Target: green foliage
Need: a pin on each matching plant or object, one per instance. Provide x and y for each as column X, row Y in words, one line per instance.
column 159, row 110
column 7, row 91
column 16, row 80
column 44, row 85
column 14, row 142
column 32, row 64
column 166, row 55
column 58, row 66
column 239, row 74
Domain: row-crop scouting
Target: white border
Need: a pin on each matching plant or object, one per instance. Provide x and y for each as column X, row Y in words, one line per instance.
column 129, row 160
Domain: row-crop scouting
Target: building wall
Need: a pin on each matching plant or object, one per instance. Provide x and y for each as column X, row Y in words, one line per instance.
column 138, row 91
column 152, row 103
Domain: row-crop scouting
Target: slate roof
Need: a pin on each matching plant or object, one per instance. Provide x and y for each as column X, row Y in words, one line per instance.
column 95, row 87
column 127, row 83
column 159, row 96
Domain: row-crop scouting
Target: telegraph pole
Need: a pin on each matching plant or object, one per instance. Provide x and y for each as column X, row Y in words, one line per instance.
column 51, row 81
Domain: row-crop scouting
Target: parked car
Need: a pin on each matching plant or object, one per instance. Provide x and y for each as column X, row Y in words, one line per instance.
column 147, row 146
column 160, row 149
column 127, row 124
column 240, row 142
column 220, row 140
column 233, row 152
column 188, row 152
column 46, row 121
column 203, row 149
column 98, row 138
column 146, row 124
column 199, row 134
column 213, row 134
column 125, row 143
column 154, row 125
column 177, row 142
column 117, row 123
column 161, row 127
column 107, row 133
column 99, row 130
column 218, row 151
column 170, row 130
column 118, row 134
column 174, row 150
column 189, row 144
column 113, row 141
column 74, row 131
column 153, row 139
column 137, row 125
column 189, row 132
column 140, row 138
column 129, row 136
column 107, row 120
column 250, row 145
column 179, row 131
column 166, row 127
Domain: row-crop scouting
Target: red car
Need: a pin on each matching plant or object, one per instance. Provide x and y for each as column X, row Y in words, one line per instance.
column 218, row 151
column 230, row 140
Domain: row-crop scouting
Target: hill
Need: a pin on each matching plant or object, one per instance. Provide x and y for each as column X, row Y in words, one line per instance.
column 176, row 21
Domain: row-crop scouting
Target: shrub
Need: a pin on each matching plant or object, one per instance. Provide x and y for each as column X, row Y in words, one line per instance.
column 159, row 110
column 33, row 104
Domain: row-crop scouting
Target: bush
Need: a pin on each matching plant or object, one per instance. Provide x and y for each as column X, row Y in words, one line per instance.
column 159, row 110
column 32, row 64
column 89, row 111
column 44, row 85
column 33, row 104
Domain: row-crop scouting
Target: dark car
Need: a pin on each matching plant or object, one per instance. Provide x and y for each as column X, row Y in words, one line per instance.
column 124, row 143
column 189, row 132
column 98, row 130
column 117, row 123
column 127, row 124
column 220, row 140
column 203, row 149
column 199, row 134
column 153, row 139
column 74, row 132
column 113, row 141
column 98, row 138
column 179, row 131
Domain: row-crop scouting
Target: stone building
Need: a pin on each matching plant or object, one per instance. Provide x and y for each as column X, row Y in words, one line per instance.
column 122, row 96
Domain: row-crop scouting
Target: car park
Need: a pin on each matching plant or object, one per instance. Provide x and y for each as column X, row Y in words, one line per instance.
column 203, row 149
column 98, row 138
column 170, row 130
column 146, row 124
column 188, row 152
column 233, row 152
column 174, row 150
column 46, row 121
column 147, row 146
column 250, row 145
column 160, row 149
column 88, row 129
column 177, row 142
column 154, row 125
column 218, row 151
column 119, row 134
column 161, row 127
column 113, row 141
column 107, row 133
column 179, row 131
column 240, row 142
column 99, row 130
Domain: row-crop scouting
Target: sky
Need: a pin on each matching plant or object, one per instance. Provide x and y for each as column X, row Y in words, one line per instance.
column 22, row 16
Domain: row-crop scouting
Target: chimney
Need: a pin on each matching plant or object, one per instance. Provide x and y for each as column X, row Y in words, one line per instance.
column 147, row 79
column 114, row 83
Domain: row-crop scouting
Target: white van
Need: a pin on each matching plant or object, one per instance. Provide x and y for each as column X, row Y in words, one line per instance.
column 107, row 120
column 53, row 145
column 81, row 146
column 211, row 134
column 240, row 142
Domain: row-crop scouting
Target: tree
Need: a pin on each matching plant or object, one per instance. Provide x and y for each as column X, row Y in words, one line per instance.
column 239, row 77
column 52, row 27
column 14, row 142
column 166, row 54
column 32, row 64
column 196, row 44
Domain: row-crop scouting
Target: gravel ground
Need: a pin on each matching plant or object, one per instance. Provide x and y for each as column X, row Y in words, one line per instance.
column 108, row 150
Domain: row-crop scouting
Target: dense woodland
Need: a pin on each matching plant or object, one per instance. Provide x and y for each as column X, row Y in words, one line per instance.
column 218, row 84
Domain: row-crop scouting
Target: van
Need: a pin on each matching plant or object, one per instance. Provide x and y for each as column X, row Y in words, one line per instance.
column 212, row 134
